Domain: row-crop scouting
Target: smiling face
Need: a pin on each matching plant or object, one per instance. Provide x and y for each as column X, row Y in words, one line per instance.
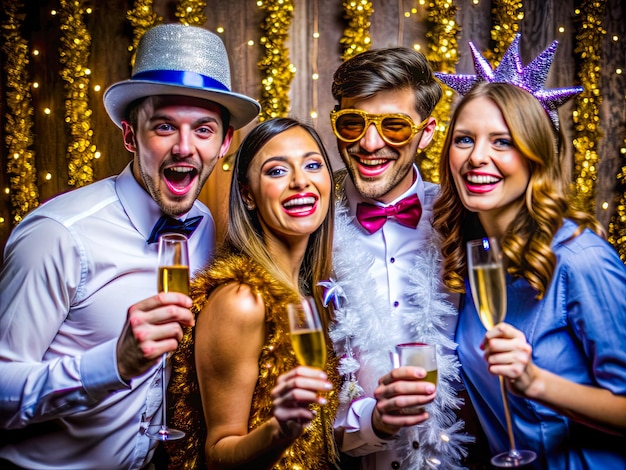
column 490, row 174
column 176, row 141
column 289, row 184
column 379, row 170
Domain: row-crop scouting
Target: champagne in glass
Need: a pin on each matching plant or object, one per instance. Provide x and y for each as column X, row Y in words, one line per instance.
column 307, row 336
column 488, row 283
column 420, row 355
column 173, row 277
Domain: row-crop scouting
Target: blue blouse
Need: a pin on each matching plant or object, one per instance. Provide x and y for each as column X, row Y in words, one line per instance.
column 578, row 331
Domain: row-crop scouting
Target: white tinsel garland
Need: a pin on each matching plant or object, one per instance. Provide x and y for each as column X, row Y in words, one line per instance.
column 366, row 331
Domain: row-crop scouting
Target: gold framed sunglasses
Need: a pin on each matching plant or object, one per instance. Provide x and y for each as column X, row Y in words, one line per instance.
column 351, row 125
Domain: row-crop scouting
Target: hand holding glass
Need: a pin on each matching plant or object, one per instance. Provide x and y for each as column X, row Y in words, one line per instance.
column 419, row 355
column 488, row 283
column 173, row 277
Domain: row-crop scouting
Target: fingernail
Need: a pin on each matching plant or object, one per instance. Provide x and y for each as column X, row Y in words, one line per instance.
column 328, row 386
column 322, row 400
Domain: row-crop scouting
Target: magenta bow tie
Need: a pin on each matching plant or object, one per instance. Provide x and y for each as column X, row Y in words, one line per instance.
column 407, row 212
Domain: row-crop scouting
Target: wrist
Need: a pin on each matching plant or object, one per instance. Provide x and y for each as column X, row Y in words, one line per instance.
column 536, row 386
column 379, row 428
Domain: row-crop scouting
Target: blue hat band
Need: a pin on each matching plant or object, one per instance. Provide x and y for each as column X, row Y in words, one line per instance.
column 175, row 77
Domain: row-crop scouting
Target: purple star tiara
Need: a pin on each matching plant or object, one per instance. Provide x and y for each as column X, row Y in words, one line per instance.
column 530, row 78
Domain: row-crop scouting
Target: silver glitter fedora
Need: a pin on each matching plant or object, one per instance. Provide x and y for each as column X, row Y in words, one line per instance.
column 175, row 59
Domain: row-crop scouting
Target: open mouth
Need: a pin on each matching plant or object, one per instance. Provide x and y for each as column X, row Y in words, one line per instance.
column 481, row 183
column 300, row 205
column 180, row 178
column 372, row 167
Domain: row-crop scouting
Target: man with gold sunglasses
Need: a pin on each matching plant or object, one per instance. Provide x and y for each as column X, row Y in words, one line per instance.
column 387, row 268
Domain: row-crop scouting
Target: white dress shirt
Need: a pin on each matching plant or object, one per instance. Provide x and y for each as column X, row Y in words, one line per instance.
column 72, row 268
column 392, row 252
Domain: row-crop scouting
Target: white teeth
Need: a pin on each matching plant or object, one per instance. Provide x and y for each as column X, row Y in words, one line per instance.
column 372, row 162
column 482, row 179
column 181, row 169
column 301, row 201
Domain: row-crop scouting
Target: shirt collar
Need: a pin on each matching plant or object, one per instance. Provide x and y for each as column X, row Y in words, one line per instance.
column 142, row 210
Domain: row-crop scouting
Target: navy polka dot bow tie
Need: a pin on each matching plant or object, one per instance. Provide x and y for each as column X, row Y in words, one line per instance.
column 167, row 224
column 407, row 212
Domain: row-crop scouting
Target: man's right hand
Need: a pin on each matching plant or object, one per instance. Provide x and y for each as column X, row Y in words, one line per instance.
column 400, row 398
column 154, row 326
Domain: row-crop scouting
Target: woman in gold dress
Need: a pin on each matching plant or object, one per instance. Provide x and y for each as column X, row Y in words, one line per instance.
column 261, row 410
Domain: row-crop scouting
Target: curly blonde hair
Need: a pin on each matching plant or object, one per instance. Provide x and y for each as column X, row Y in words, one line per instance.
column 526, row 245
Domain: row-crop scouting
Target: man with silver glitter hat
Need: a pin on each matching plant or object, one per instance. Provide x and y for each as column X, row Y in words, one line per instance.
column 82, row 328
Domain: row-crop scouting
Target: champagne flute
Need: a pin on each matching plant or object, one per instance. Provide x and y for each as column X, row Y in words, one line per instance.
column 307, row 339
column 488, row 283
column 307, row 336
column 173, row 277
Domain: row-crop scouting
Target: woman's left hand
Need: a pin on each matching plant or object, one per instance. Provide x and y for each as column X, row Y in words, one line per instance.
column 508, row 354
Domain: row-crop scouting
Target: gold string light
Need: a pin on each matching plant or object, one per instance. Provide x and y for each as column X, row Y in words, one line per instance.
column 506, row 17
column 587, row 131
column 617, row 224
column 191, row 12
column 74, row 54
column 142, row 17
column 314, row 64
column 24, row 195
column 278, row 71
column 356, row 37
column 442, row 53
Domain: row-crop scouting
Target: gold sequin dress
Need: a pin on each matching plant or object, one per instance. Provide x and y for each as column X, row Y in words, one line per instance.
column 315, row 449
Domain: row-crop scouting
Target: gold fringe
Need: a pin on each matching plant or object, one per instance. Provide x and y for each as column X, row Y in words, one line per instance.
column 311, row 451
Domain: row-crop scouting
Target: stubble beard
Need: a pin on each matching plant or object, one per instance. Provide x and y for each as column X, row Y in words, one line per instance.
column 171, row 208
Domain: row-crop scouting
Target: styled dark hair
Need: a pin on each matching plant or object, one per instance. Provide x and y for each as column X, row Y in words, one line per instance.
column 398, row 68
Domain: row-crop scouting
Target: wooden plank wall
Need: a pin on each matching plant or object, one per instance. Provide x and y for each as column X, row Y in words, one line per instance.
column 109, row 61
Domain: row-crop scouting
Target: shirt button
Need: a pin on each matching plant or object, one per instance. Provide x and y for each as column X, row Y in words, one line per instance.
column 392, row 260
column 396, row 303
column 395, row 465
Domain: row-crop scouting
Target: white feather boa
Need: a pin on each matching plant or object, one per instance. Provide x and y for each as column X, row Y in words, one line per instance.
column 366, row 332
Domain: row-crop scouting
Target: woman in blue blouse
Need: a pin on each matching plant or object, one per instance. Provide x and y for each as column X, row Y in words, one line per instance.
column 562, row 347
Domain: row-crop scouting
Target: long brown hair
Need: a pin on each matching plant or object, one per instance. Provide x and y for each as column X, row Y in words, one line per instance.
column 527, row 242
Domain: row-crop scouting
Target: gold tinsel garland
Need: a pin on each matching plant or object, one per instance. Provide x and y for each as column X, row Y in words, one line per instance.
column 275, row 64
column 617, row 225
column 19, row 123
column 506, row 17
column 142, row 18
column 356, row 37
column 191, row 12
column 587, row 131
column 74, row 54
column 443, row 55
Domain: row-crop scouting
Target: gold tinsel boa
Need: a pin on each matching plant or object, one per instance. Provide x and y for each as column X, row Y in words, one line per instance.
column 311, row 450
